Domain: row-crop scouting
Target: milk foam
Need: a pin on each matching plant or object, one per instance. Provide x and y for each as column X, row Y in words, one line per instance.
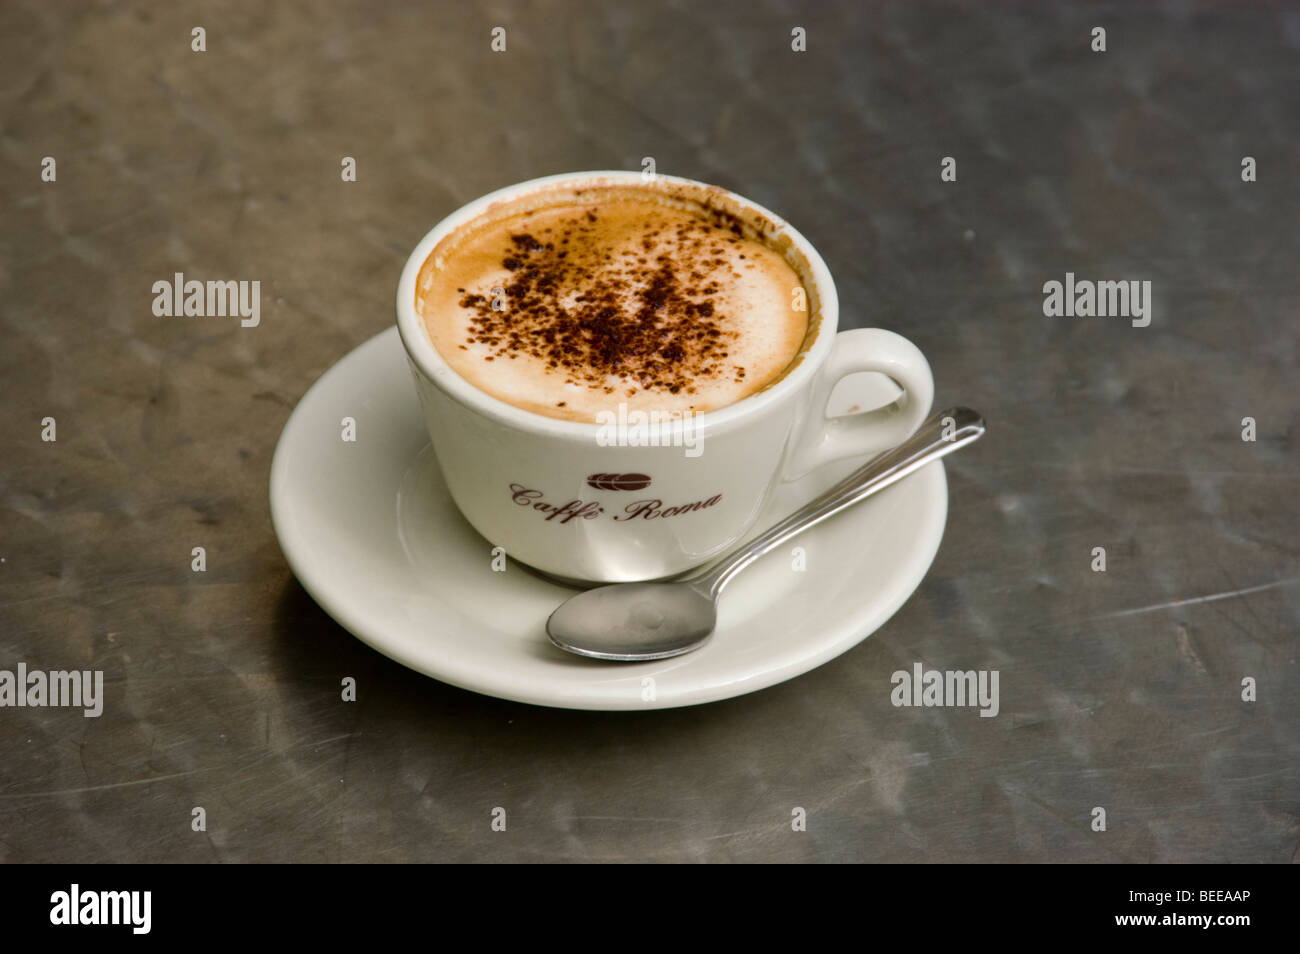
column 612, row 297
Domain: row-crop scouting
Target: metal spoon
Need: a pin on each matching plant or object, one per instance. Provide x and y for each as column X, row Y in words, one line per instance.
column 634, row 622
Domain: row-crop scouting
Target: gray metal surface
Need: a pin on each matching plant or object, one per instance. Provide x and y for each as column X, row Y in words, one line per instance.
column 1119, row 689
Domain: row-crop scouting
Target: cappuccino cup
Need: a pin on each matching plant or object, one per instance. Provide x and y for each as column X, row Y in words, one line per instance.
column 616, row 371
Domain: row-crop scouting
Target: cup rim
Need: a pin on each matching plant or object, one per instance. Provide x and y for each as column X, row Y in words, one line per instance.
column 427, row 360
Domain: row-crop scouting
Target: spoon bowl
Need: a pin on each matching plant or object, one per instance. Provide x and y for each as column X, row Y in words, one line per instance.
column 634, row 621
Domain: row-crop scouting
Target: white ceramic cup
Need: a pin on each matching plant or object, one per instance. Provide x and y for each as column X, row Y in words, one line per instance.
column 560, row 497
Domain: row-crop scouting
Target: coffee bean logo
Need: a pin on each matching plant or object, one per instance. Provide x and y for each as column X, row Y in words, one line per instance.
column 618, row 481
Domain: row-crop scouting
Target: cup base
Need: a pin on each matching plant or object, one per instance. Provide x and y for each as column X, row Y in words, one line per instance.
column 580, row 584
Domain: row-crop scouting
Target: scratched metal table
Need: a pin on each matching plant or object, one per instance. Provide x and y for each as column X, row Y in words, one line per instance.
column 1128, row 690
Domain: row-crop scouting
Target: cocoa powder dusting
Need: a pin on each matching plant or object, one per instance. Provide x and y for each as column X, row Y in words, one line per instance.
column 647, row 319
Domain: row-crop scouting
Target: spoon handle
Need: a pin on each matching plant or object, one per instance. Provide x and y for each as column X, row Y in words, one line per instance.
column 942, row 434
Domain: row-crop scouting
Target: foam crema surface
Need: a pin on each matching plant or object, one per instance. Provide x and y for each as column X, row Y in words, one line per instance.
column 571, row 302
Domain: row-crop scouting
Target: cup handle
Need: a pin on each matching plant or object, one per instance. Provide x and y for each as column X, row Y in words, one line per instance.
column 824, row 439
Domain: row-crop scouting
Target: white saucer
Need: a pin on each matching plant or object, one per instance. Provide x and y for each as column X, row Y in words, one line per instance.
column 370, row 531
